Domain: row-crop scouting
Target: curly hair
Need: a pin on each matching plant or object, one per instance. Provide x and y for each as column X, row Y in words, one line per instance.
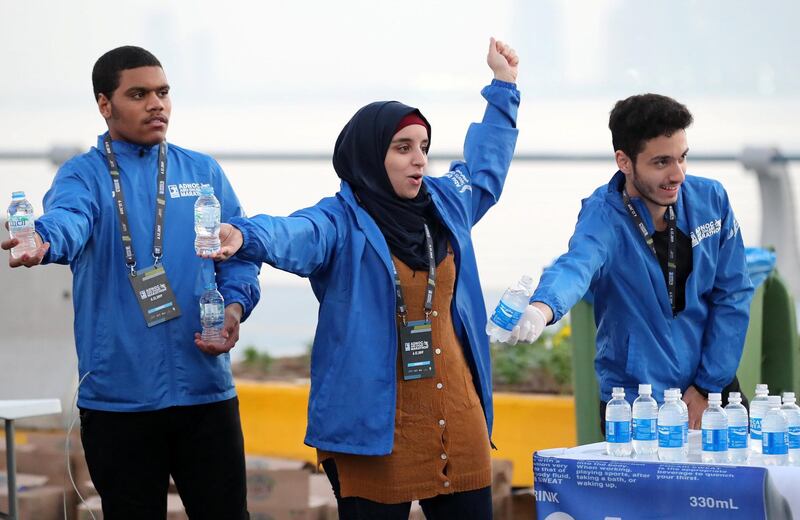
column 637, row 119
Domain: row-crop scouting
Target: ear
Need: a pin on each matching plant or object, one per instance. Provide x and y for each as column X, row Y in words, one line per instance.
column 623, row 162
column 104, row 106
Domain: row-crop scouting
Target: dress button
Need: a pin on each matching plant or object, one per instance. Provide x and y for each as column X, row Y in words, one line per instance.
column 439, row 386
column 438, row 351
column 446, row 483
column 443, row 456
column 434, row 313
column 441, row 422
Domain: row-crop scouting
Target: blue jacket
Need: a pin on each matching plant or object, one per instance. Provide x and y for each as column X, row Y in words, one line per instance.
column 133, row 367
column 340, row 248
column 638, row 340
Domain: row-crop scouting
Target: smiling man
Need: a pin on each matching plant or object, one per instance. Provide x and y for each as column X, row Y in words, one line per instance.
column 153, row 402
column 661, row 254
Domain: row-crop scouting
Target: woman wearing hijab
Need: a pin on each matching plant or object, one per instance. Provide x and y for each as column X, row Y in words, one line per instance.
column 401, row 404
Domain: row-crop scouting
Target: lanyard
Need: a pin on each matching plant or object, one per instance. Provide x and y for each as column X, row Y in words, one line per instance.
column 671, row 249
column 119, row 199
column 402, row 311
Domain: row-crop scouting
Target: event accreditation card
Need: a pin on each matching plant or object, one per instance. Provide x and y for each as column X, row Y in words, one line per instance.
column 155, row 296
column 417, row 354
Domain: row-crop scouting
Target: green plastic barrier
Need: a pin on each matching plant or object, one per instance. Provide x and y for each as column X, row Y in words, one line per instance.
column 780, row 361
column 749, row 372
column 584, row 380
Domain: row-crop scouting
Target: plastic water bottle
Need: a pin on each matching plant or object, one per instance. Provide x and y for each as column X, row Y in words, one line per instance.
column 206, row 222
column 618, row 424
column 758, row 408
column 670, row 428
column 212, row 314
column 684, row 420
column 21, row 224
column 737, row 429
column 715, row 431
column 508, row 312
column 645, row 416
column 775, row 434
column 792, row 412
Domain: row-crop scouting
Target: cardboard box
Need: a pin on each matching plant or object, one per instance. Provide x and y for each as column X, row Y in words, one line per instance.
column 318, row 512
column 23, row 481
column 175, row 509
column 523, row 505
column 37, row 503
column 37, row 460
column 502, row 473
column 274, row 484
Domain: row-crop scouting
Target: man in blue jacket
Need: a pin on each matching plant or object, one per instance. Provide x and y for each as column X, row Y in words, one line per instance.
column 153, row 401
column 661, row 253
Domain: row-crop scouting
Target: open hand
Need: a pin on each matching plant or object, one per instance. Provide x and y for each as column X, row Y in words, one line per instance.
column 230, row 241
column 28, row 259
column 230, row 332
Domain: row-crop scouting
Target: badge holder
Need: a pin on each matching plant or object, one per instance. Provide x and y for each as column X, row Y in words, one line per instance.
column 416, row 338
column 154, row 294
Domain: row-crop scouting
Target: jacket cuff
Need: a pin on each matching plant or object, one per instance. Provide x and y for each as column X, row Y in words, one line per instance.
column 504, row 84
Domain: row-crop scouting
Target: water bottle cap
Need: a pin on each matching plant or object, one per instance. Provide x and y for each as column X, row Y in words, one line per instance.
column 762, row 389
column 17, row 195
column 645, row 389
column 774, row 400
column 206, row 189
column 734, row 397
column 618, row 391
column 788, row 397
column 211, row 286
column 714, row 397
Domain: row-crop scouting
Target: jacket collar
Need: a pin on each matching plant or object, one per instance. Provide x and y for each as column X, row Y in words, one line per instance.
column 366, row 223
column 614, row 197
column 125, row 148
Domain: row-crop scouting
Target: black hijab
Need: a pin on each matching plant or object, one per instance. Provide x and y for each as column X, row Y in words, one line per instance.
column 358, row 158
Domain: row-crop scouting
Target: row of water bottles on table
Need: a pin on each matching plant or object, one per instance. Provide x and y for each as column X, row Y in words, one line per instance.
column 207, row 218
column 647, row 429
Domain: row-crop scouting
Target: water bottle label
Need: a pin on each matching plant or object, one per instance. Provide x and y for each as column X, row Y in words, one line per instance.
column 715, row 440
column 18, row 223
column 794, row 437
column 644, row 430
column 755, row 428
column 505, row 317
column 206, row 217
column 685, row 431
column 211, row 311
column 737, row 437
column 775, row 443
column 618, row 432
column 670, row 436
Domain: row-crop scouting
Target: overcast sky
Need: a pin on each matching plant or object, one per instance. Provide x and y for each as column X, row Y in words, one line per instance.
column 286, row 76
column 329, row 57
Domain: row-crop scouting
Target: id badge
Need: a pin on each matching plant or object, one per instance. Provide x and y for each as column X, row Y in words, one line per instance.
column 155, row 296
column 417, row 352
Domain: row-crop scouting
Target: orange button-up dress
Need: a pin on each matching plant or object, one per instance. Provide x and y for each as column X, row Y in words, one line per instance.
column 441, row 442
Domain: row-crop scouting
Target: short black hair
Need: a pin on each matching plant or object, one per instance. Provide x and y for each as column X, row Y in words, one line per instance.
column 105, row 74
column 637, row 119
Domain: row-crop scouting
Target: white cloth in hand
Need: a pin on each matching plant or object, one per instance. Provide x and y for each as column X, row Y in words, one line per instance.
column 530, row 327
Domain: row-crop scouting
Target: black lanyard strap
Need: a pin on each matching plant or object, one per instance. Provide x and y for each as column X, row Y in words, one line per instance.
column 119, row 199
column 402, row 311
column 672, row 242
